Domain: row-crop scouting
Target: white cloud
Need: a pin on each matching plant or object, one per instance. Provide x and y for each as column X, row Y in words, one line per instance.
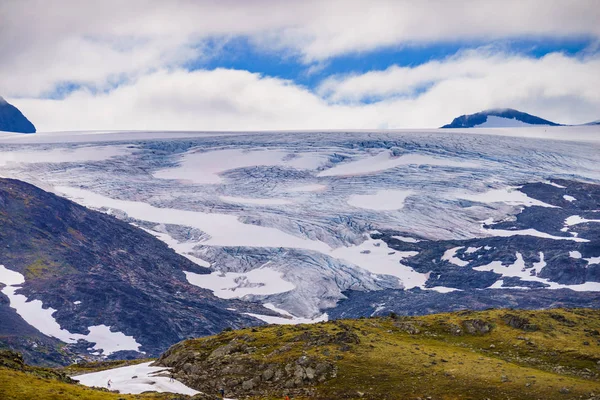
column 563, row 88
column 44, row 43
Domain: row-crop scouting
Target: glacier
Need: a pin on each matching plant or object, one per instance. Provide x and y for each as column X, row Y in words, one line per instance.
column 297, row 220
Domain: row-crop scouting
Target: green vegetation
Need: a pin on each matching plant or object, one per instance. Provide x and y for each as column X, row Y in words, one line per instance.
column 494, row 354
column 22, row 382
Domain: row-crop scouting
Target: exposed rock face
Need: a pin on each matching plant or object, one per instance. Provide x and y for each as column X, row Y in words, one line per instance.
column 94, row 269
column 471, row 120
column 12, row 120
column 247, row 365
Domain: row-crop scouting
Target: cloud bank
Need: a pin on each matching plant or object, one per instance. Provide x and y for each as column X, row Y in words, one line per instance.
column 125, row 65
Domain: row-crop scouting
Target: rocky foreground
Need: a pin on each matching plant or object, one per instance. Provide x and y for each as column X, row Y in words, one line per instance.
column 495, row 354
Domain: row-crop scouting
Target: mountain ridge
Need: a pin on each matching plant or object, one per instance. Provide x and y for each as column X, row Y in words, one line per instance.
column 13, row 120
column 480, row 118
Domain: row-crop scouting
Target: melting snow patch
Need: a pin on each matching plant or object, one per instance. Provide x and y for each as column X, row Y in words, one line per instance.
column 135, row 379
column 262, row 281
column 531, row 232
column 381, row 201
column 575, row 254
column 519, row 270
column 569, row 198
column 288, row 318
column 406, row 239
column 576, row 220
column 375, row 256
column 34, row 313
column 494, row 121
column 555, row 185
column 450, row 256
column 510, row 196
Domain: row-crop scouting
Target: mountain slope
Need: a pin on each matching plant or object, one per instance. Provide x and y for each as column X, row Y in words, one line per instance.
column 494, row 354
column 498, row 118
column 12, row 120
column 110, row 283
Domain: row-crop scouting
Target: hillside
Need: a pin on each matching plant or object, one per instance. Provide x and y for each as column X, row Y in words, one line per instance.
column 12, row 120
column 99, row 284
column 495, row 354
column 496, row 118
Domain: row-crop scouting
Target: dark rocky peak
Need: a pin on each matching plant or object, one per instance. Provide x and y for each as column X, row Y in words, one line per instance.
column 480, row 118
column 12, row 120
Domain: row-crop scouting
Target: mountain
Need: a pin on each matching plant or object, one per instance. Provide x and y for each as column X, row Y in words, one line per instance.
column 498, row 118
column 12, row 120
column 72, row 275
column 593, row 123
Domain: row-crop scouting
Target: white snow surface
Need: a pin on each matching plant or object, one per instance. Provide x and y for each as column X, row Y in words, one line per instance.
column 205, row 167
column 375, row 256
column 34, row 313
column 386, row 160
column 576, row 220
column 122, row 379
column 494, row 121
column 220, row 183
column 78, row 154
column 382, row 200
column 569, row 198
column 229, row 285
column 450, row 256
column 287, row 319
column 505, row 195
column 406, row 239
column 518, row 269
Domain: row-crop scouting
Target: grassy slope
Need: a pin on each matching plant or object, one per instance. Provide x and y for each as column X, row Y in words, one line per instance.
column 22, row 382
column 553, row 355
column 558, row 359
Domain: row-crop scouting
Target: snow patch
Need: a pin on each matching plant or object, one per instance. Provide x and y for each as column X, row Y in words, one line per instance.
column 381, row 201
column 204, row 168
column 122, row 379
column 34, row 313
column 406, row 239
column 494, row 121
column 450, row 256
column 510, row 196
column 569, row 198
column 262, row 281
column 576, row 220
column 575, row 254
column 375, row 256
column 287, row 319
column 519, row 270
column 386, row 160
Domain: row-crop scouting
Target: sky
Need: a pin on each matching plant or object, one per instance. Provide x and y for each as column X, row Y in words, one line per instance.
column 296, row 65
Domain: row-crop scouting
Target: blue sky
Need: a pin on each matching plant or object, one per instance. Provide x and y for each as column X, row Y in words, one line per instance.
column 264, row 64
